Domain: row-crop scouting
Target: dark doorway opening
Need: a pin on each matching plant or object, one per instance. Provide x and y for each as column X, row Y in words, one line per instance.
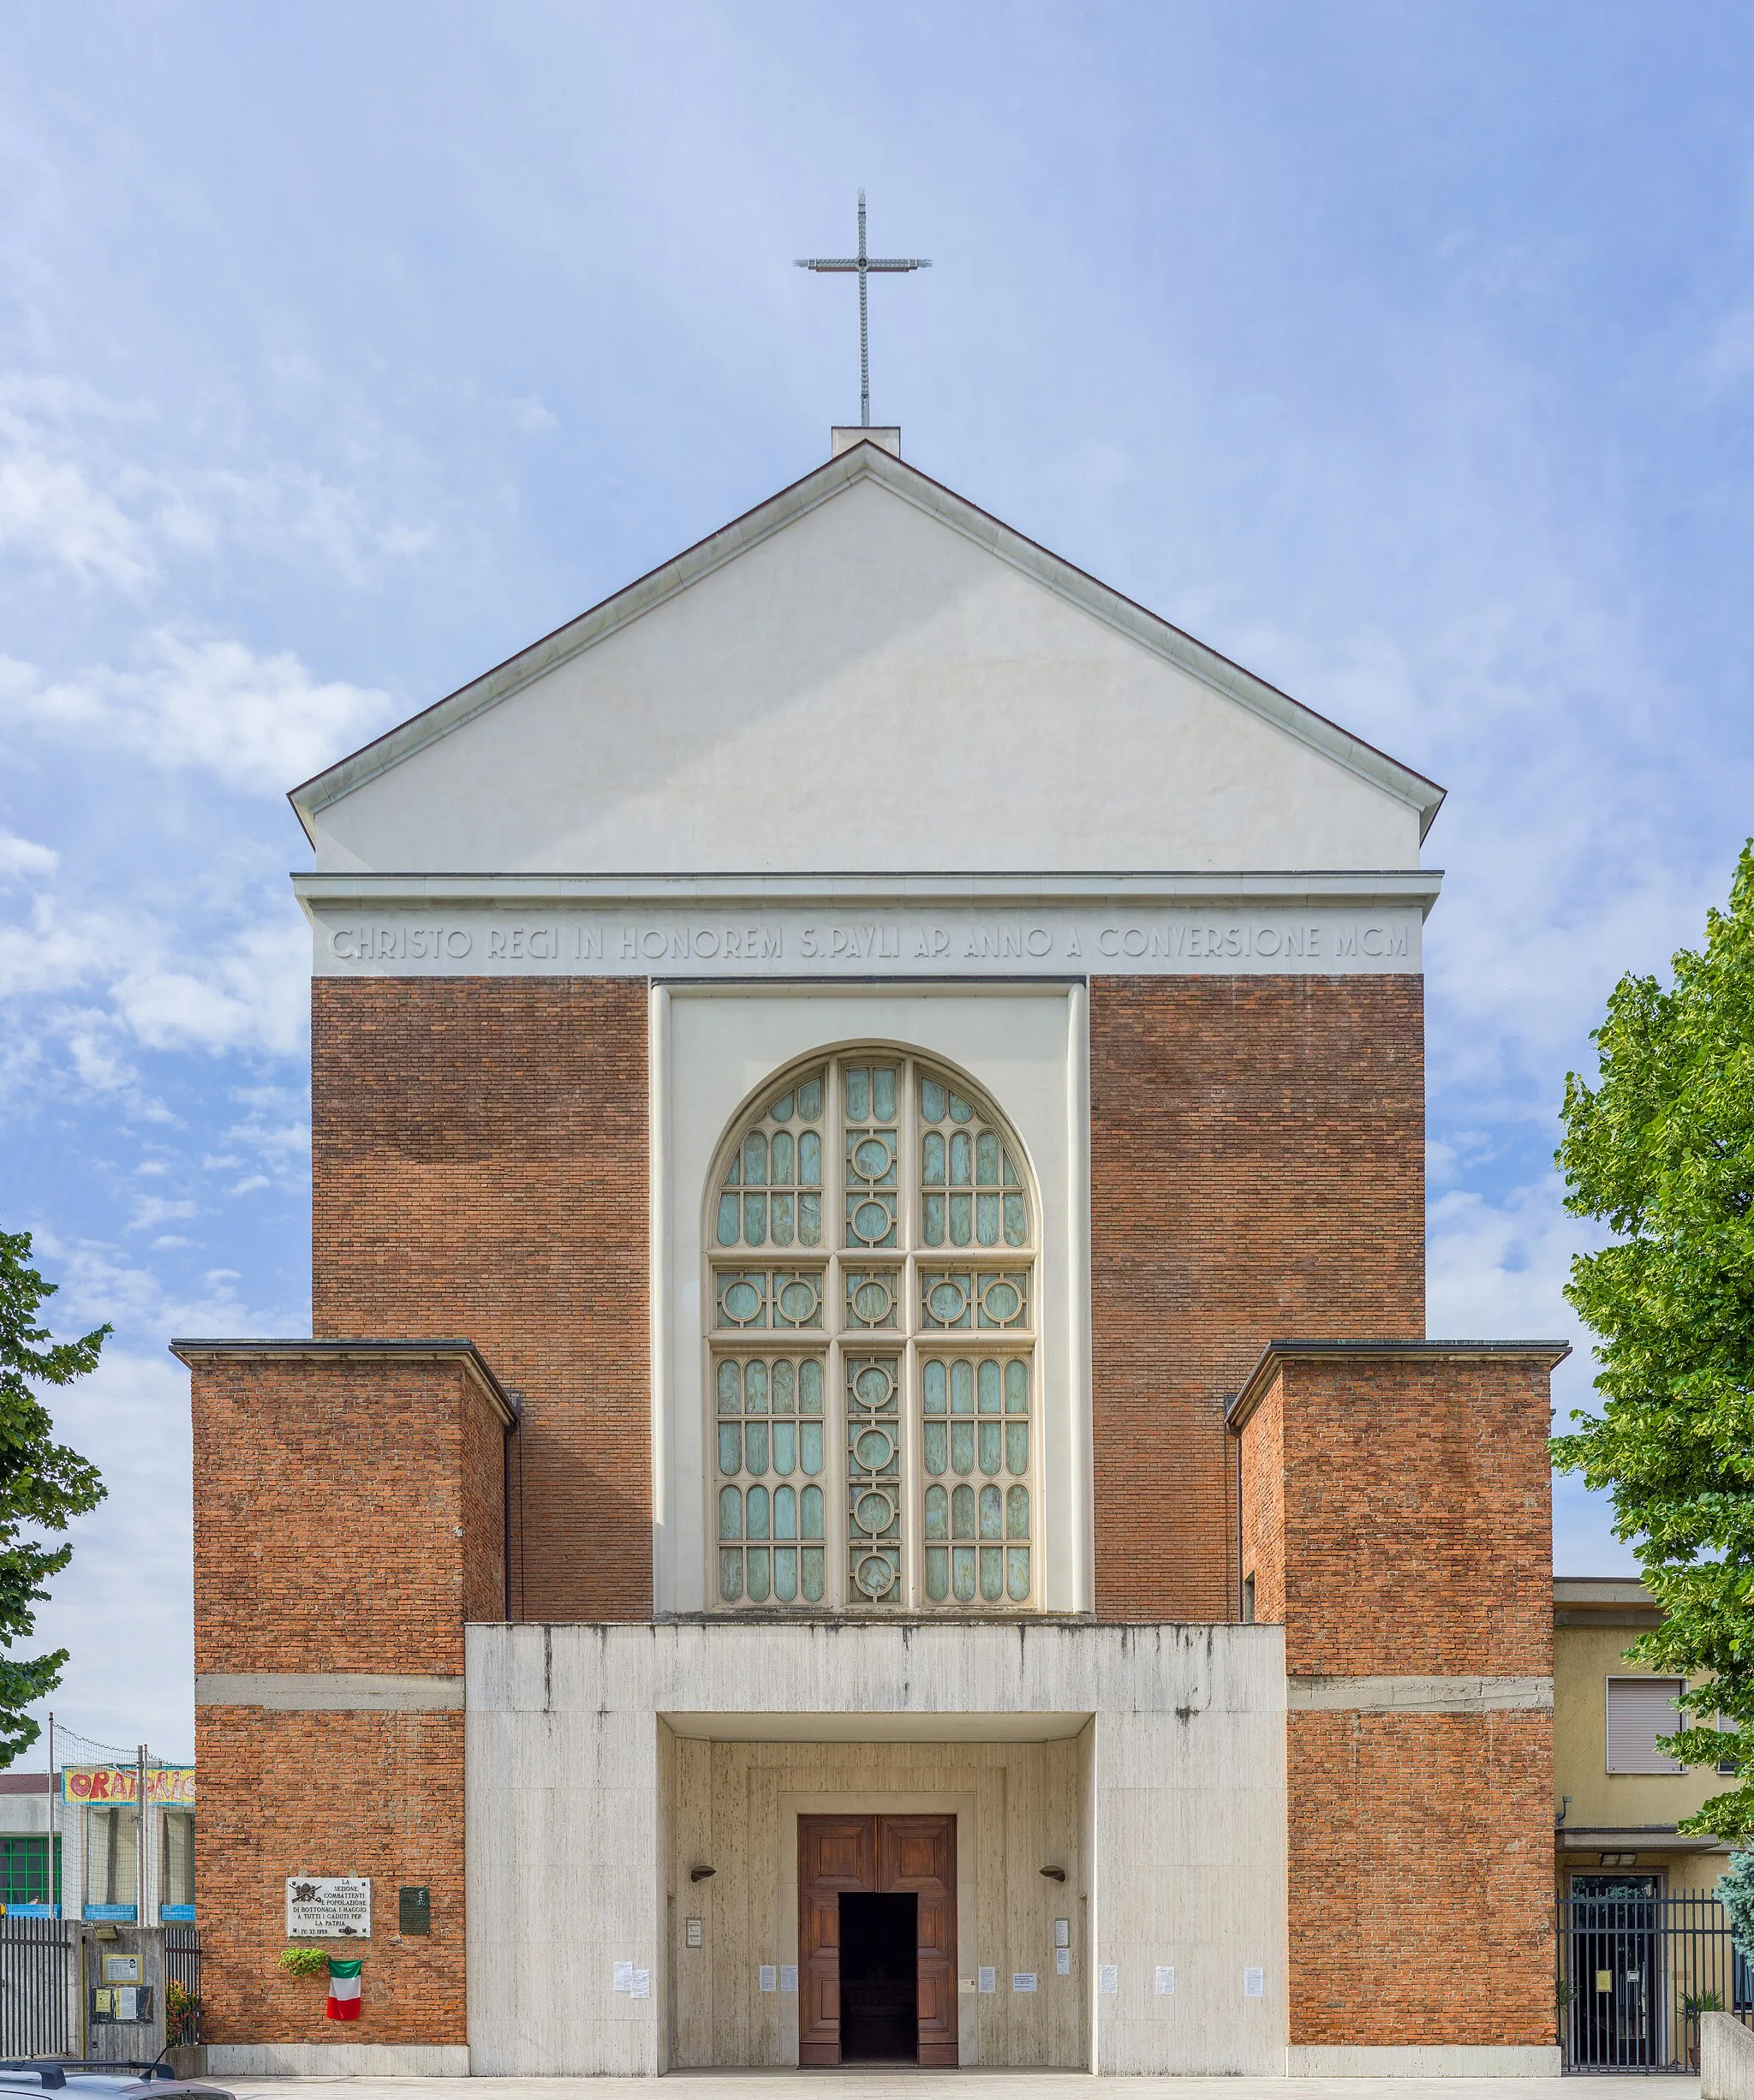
column 880, row 1978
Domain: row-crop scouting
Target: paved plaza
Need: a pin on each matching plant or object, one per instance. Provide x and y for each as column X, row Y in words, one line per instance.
column 902, row 2082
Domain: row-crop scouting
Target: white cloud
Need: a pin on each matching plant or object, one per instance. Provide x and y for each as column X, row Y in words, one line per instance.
column 20, row 857
column 260, row 723
column 48, row 508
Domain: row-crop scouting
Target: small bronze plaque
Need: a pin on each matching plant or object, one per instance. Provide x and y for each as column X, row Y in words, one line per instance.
column 414, row 1910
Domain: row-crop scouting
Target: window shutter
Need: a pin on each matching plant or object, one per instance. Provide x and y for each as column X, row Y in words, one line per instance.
column 1639, row 1710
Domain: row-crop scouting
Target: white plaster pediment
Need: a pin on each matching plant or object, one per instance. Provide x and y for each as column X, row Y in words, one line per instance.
column 866, row 674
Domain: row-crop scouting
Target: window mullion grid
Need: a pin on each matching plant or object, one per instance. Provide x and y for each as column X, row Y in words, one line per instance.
column 833, row 1317
column 907, row 1205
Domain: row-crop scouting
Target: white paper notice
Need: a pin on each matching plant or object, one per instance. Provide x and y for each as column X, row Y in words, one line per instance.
column 1024, row 1979
column 1254, row 1983
column 788, row 1978
column 767, row 1977
column 1062, row 1961
column 1108, row 1978
column 988, row 1978
column 640, row 1987
column 127, row 2002
column 1166, row 1982
column 623, row 1976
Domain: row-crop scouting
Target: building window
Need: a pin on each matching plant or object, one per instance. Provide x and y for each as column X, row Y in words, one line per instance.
column 112, row 1854
column 30, row 1872
column 176, row 1862
column 872, row 1242
column 1639, row 1710
column 1248, row 1600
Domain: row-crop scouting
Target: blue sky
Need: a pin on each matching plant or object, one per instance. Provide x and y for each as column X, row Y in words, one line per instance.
column 1405, row 352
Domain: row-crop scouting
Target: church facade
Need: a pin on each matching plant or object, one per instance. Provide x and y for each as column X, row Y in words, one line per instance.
column 868, row 1482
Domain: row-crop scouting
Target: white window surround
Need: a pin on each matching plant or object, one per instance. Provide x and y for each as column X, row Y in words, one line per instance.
column 713, row 1049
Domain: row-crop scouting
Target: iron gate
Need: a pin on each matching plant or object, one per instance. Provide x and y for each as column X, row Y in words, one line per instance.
column 1635, row 1972
column 182, row 1972
column 38, row 1978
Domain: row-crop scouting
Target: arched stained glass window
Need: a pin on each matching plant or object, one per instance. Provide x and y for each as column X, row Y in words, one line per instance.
column 871, row 1243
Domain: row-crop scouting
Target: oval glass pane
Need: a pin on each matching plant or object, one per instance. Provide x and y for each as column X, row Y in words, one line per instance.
column 809, row 1159
column 992, row 1513
column 934, row 1103
column 785, row 1574
column 814, row 1572
column 1017, row 1387
column 937, row 1513
column 785, row 1513
column 810, row 1387
column 960, row 1112
column 933, row 1386
column 786, row 1447
column 872, row 1576
column 873, row 1385
column 856, row 1082
column 810, row 1513
column 871, row 1159
column 730, row 1219
column 961, row 1512
column 730, row 1514
column 798, row 1301
column 962, row 1221
column 989, row 1448
column 935, row 1446
column 754, row 1220
column 810, row 1446
column 754, row 1160
column 785, row 1382
column 961, row 1159
column 730, row 1388
column 1017, row 1512
column 1001, row 1301
column 932, row 1160
column 781, row 1112
column 742, row 1301
column 873, row 1302
column 962, row 1574
column 962, row 1387
column 986, row 1160
column 755, row 1450
column 932, row 1220
column 883, row 1092
column 1017, row 1222
column 986, row 1220
column 755, row 1511
column 755, row 1389
column 1017, row 1579
column 870, row 1222
column 992, row 1579
column 731, row 1576
column 1017, row 1447
column 962, row 1446
column 947, row 1302
column 781, row 1159
column 809, row 1221
column 782, row 1218
column 730, row 1447
column 758, row 1574
column 989, row 1387
column 937, row 1573
column 810, row 1099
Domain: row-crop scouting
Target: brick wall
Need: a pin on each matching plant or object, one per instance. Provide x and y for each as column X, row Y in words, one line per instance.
column 281, row 1793
column 1257, row 1169
column 1413, row 1541
column 480, row 1169
column 347, row 1517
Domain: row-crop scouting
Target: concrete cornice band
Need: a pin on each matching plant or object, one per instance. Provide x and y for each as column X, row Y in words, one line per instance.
column 330, row 1692
column 1418, row 1695
column 504, row 1402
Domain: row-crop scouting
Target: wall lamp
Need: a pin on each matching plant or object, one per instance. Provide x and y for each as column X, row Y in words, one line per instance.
column 701, row 1874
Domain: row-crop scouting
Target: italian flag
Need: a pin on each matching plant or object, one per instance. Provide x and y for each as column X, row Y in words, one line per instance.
column 343, row 1988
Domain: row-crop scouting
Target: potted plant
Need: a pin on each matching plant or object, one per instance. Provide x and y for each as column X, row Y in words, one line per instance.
column 304, row 1961
column 1692, row 2005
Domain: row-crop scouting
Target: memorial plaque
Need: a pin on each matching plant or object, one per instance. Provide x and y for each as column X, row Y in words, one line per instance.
column 414, row 1910
column 328, row 1908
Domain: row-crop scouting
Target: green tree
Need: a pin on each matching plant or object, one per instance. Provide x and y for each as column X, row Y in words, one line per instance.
column 1662, row 1149
column 43, row 1484
column 1735, row 1891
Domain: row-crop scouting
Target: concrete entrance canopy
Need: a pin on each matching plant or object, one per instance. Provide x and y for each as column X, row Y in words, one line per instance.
column 1159, row 1797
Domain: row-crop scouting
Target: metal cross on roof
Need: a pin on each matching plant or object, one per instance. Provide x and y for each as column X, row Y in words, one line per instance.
column 864, row 265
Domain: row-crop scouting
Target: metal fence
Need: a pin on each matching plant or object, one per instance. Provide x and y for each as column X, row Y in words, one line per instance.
column 1634, row 1974
column 39, row 1971
column 182, row 1971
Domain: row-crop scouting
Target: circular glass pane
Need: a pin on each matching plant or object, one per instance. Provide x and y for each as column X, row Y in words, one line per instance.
column 873, row 1386
column 872, row 1302
column 873, row 1449
column 742, row 1301
column 871, row 1159
column 874, row 1512
column 798, row 1301
column 1001, row 1300
column 946, row 1301
column 873, row 1575
column 870, row 1221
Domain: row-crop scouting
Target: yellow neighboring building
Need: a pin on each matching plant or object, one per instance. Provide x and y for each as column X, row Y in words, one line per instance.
column 1617, row 1798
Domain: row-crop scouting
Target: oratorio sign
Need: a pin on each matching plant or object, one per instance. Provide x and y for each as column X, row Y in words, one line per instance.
column 336, row 1907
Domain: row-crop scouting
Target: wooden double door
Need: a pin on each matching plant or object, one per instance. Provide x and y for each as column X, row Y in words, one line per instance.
column 861, row 1857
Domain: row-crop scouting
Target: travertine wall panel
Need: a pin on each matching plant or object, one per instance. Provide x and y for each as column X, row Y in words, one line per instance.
column 1257, row 1170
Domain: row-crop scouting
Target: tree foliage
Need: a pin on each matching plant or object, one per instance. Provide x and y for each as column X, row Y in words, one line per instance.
column 43, row 1484
column 1662, row 1149
column 1735, row 1891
